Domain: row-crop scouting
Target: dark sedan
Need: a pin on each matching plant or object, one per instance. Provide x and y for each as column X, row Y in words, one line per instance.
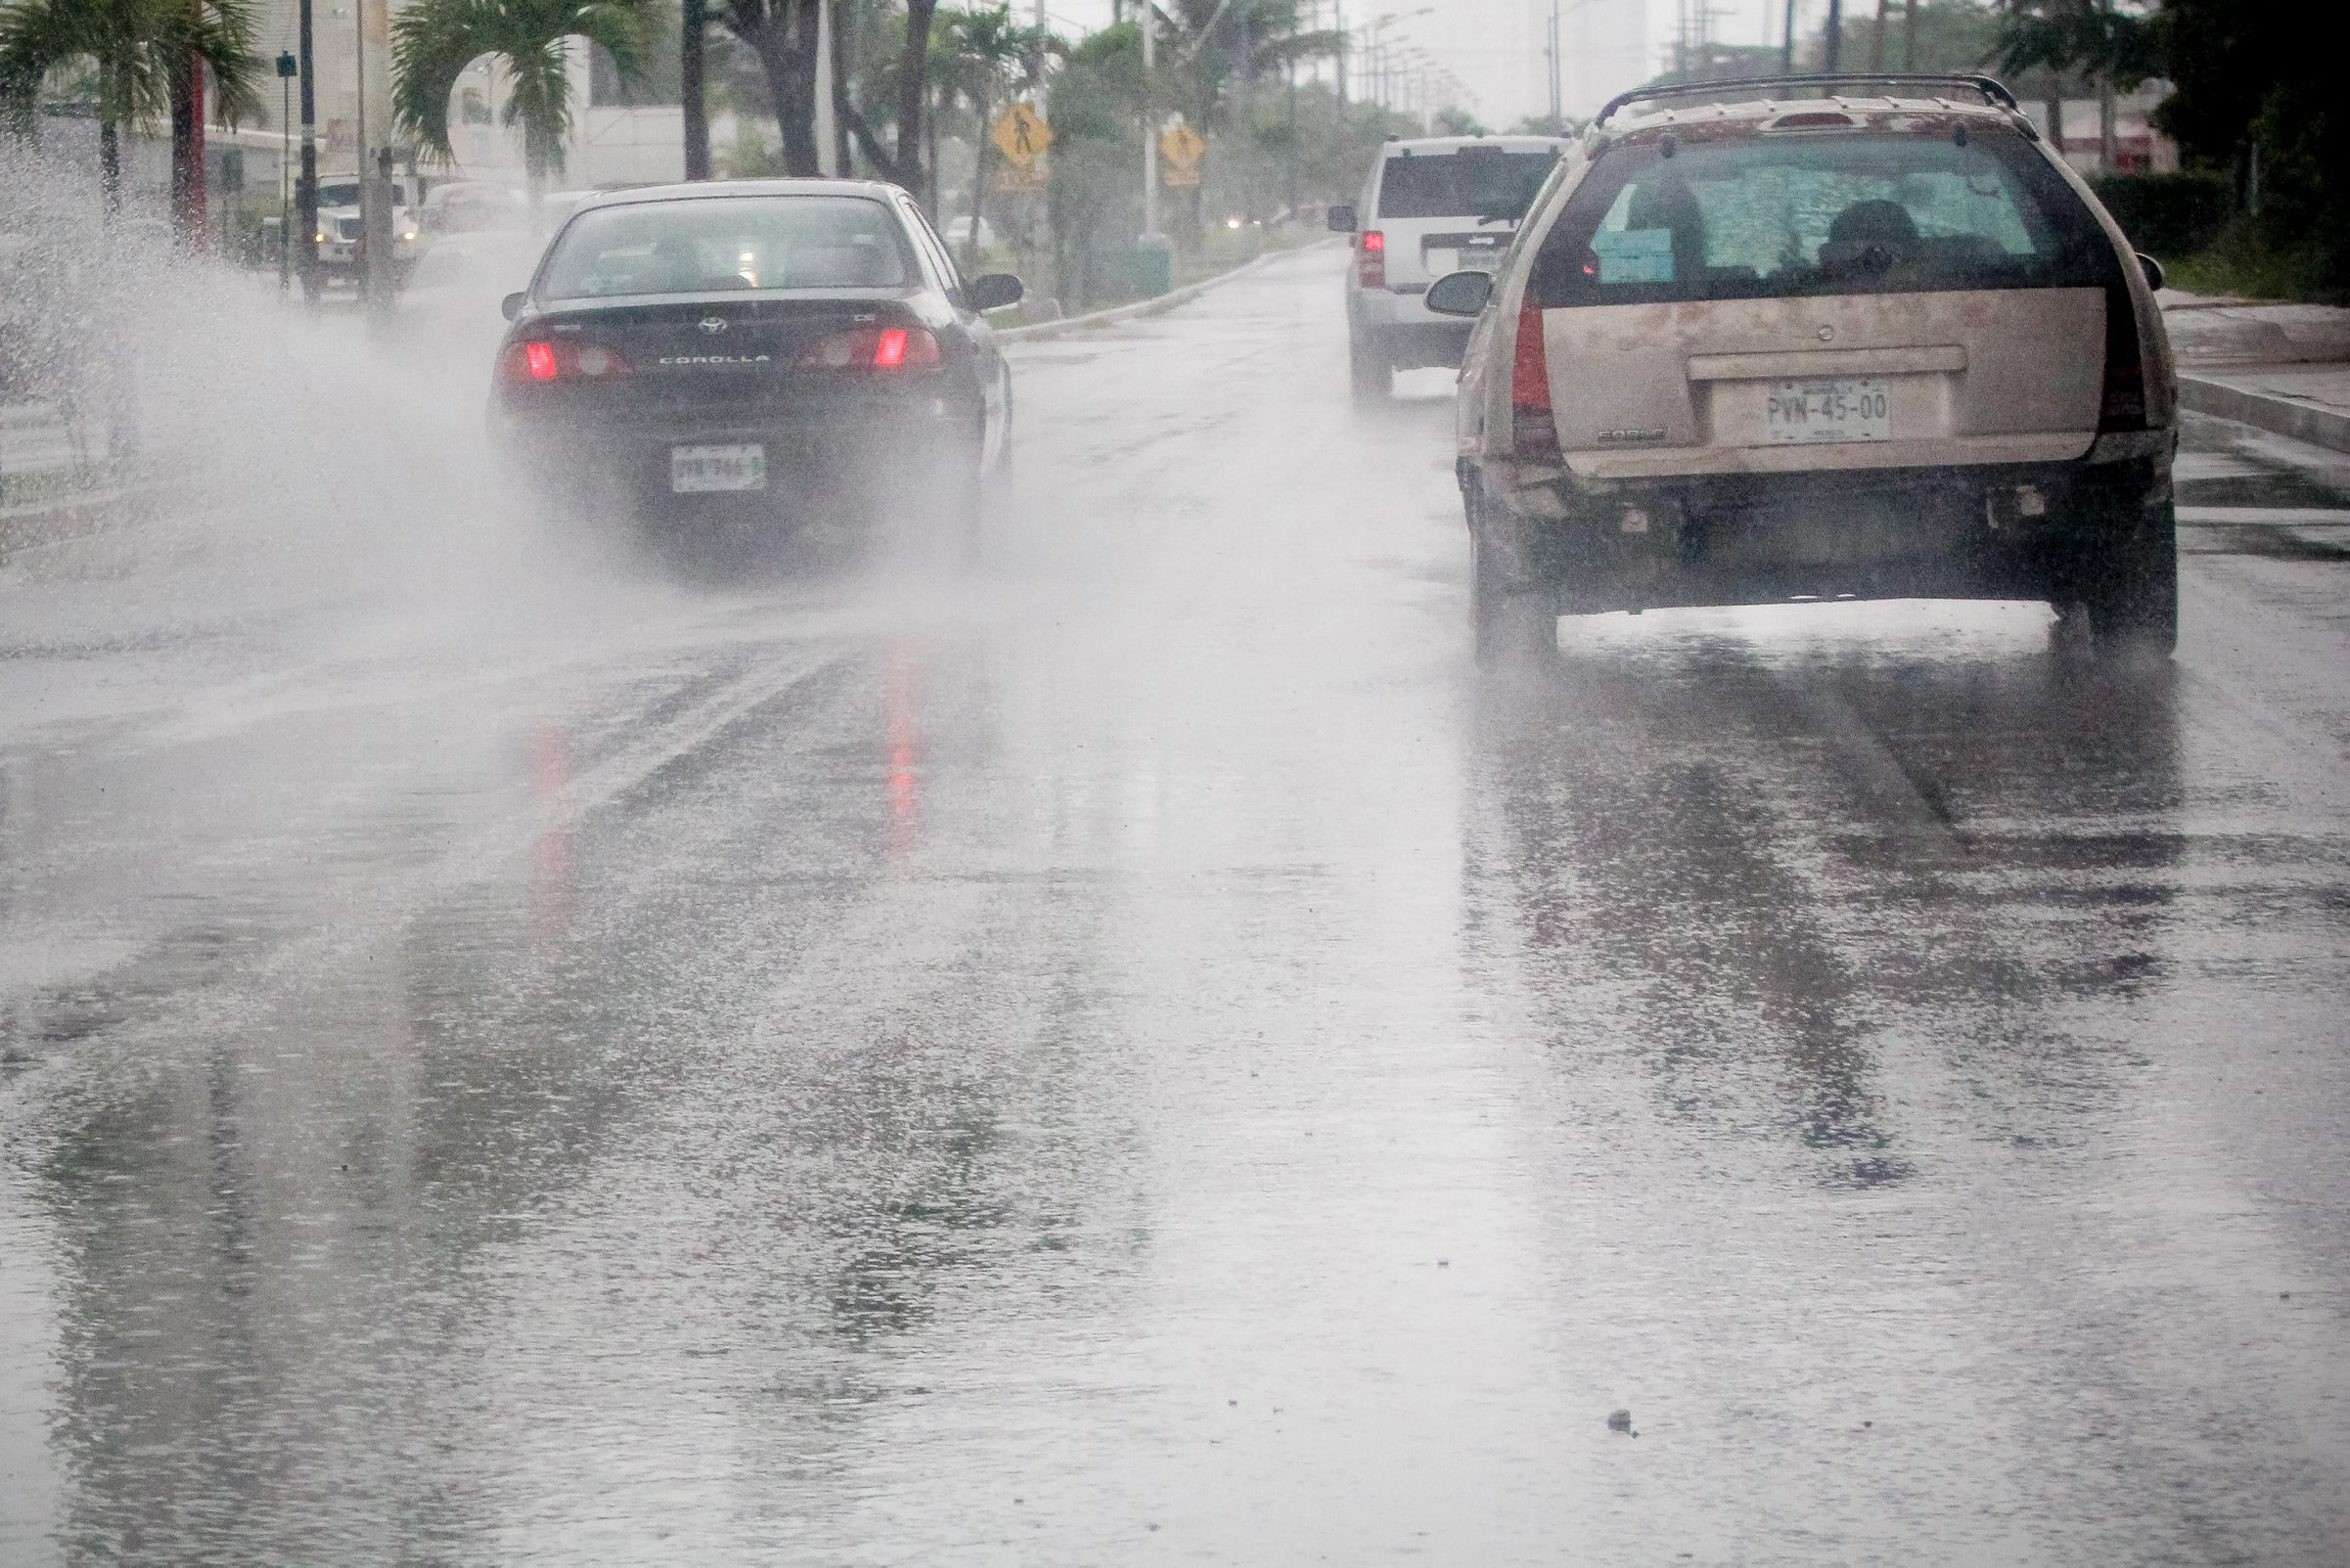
column 758, row 355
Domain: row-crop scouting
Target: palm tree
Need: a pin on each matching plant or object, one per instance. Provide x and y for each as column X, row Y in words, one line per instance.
column 433, row 41
column 783, row 35
column 1222, row 49
column 985, row 52
column 2110, row 48
column 143, row 59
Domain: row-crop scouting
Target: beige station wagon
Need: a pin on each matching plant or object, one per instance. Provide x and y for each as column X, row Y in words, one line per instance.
column 1817, row 338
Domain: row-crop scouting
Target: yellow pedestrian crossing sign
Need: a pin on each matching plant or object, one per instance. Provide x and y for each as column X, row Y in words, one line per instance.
column 1182, row 147
column 1021, row 135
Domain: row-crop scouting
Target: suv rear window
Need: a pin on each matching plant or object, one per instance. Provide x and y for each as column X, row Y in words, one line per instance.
column 1484, row 182
column 1787, row 216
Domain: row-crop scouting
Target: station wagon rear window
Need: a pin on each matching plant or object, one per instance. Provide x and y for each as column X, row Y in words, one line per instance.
column 1796, row 215
column 1473, row 182
column 706, row 245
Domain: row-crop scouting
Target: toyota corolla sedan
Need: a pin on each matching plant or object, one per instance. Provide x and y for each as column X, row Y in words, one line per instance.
column 1817, row 339
column 737, row 359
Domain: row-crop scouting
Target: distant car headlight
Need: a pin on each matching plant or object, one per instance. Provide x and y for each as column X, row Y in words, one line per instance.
column 320, row 237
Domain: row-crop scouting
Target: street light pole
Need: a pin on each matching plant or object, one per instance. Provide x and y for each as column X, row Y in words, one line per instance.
column 287, row 68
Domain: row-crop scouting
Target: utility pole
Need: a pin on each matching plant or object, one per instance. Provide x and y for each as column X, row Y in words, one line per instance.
column 1151, row 238
column 306, row 191
column 694, row 25
column 1787, row 45
column 373, row 26
column 1338, row 23
column 1834, row 43
column 1557, row 79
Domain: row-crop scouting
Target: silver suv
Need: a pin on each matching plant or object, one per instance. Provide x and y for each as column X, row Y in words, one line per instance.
column 1430, row 206
column 1816, row 342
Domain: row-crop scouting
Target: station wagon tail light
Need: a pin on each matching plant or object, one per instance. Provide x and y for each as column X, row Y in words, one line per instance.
column 883, row 348
column 538, row 361
column 2123, row 405
column 1371, row 259
column 1532, row 432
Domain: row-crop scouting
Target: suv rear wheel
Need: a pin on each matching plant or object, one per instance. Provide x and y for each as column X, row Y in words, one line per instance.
column 1368, row 371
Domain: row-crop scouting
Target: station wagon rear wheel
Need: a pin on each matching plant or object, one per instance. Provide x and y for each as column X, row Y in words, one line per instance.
column 1513, row 624
column 2132, row 592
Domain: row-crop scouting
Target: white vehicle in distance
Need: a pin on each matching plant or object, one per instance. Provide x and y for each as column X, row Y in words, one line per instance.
column 957, row 233
column 1431, row 206
column 472, row 207
column 339, row 225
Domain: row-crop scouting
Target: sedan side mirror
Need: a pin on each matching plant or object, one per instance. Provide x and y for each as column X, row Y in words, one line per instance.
column 511, row 305
column 1342, row 220
column 995, row 290
column 2153, row 270
column 1460, row 293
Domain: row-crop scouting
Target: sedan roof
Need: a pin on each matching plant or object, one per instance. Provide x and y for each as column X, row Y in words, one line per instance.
column 877, row 190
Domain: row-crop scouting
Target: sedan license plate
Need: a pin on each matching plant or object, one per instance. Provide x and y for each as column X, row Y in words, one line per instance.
column 703, row 468
column 1854, row 409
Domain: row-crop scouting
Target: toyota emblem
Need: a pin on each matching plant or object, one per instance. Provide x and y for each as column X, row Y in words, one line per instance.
column 1827, row 334
column 713, row 324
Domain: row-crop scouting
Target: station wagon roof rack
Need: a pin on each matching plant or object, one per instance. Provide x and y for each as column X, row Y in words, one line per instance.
column 1993, row 93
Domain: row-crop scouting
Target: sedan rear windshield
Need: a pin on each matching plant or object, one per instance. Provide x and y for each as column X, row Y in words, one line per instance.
column 1476, row 182
column 707, row 244
column 1831, row 213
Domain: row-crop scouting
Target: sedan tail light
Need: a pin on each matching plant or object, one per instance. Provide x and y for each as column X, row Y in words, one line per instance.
column 542, row 361
column 1532, row 430
column 870, row 348
column 1371, row 259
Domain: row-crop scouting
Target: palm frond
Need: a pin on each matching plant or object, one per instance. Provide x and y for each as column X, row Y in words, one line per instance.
column 434, row 41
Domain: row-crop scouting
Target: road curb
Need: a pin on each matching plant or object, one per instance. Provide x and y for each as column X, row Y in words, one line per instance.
column 76, row 516
column 2284, row 416
column 1145, row 307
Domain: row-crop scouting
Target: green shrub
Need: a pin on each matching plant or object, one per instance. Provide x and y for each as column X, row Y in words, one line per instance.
column 2167, row 214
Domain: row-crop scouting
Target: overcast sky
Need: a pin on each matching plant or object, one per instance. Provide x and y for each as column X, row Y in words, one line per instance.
column 1495, row 46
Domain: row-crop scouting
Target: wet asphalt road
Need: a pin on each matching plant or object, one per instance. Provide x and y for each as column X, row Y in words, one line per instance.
column 1146, row 1057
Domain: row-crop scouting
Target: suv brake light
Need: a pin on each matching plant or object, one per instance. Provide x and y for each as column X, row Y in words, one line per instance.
column 1371, row 259
column 1532, row 431
column 2123, row 404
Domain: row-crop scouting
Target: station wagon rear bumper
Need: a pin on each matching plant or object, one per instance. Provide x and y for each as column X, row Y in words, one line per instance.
column 2005, row 531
